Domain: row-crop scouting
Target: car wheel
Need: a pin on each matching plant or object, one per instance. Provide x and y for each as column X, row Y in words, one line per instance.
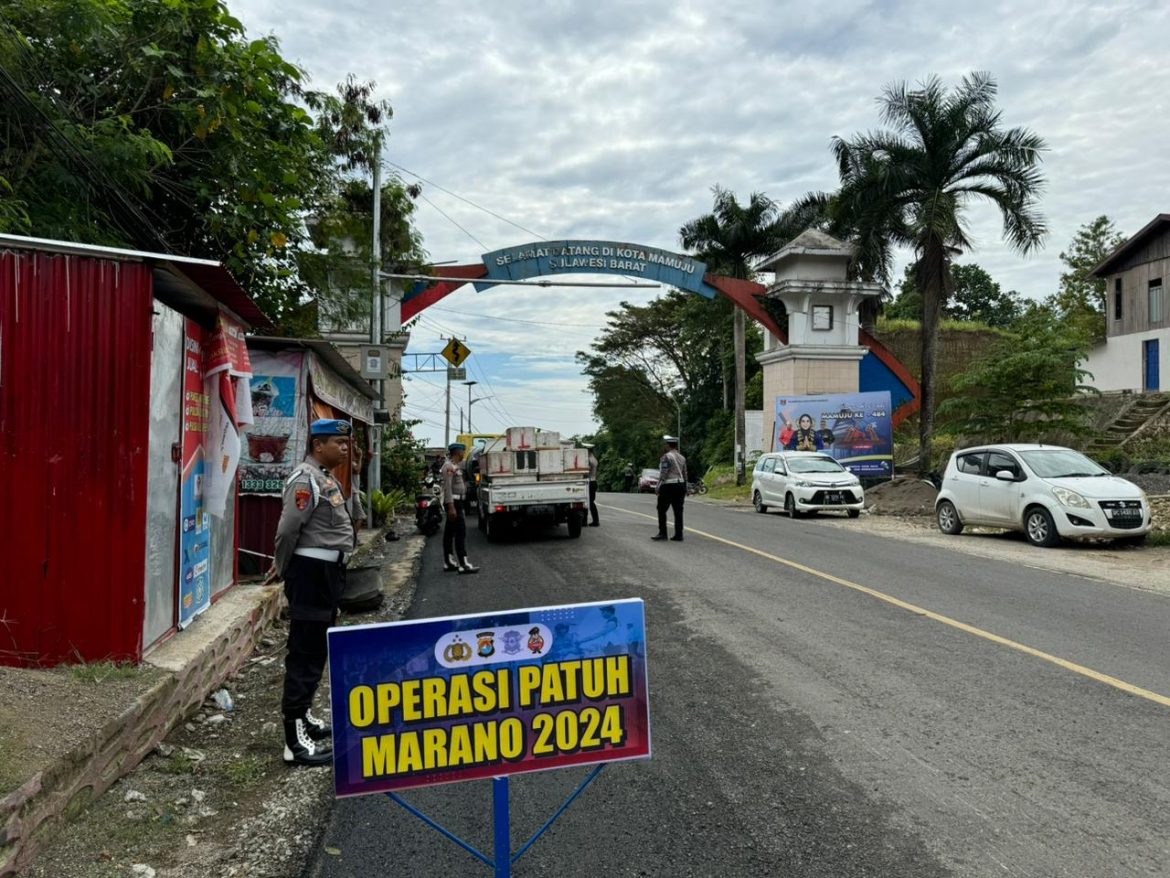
column 948, row 518
column 758, row 502
column 790, row 506
column 1039, row 528
column 854, row 513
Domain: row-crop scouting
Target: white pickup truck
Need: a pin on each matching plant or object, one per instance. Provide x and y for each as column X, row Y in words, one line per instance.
column 531, row 476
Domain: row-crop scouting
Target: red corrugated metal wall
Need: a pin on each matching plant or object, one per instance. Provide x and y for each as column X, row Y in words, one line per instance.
column 257, row 516
column 75, row 347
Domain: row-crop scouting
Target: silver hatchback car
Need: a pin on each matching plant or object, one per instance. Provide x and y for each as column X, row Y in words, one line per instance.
column 800, row 482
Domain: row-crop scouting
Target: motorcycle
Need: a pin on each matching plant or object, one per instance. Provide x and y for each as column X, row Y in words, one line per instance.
column 428, row 507
column 698, row 486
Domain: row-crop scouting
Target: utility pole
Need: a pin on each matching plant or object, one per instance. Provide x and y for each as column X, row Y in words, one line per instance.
column 447, row 421
column 740, row 379
column 469, row 384
column 375, row 478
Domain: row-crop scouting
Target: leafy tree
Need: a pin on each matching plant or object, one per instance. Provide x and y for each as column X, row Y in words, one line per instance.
column 1026, row 387
column 911, row 185
column 159, row 125
column 975, row 297
column 1080, row 298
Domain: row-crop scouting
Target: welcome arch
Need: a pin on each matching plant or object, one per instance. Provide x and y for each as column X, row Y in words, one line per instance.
column 879, row 369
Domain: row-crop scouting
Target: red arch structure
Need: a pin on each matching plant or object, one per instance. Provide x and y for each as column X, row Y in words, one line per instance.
column 744, row 294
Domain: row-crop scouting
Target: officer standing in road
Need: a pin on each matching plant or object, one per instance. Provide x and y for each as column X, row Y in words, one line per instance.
column 455, row 532
column 629, row 477
column 314, row 539
column 595, row 522
column 672, row 488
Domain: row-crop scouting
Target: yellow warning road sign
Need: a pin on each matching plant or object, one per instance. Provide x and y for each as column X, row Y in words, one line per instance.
column 456, row 352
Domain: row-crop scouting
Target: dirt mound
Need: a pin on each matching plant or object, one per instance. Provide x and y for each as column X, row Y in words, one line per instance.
column 907, row 495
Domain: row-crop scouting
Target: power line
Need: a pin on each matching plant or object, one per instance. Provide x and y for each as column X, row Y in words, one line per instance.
column 482, row 245
column 509, row 319
column 468, row 201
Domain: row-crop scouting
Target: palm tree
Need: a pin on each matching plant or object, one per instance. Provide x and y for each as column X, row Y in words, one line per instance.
column 910, row 186
column 729, row 239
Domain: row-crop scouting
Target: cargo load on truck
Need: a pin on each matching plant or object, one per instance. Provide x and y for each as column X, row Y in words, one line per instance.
column 531, row 475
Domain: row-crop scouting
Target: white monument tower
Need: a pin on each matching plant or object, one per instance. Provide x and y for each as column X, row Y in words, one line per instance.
column 823, row 354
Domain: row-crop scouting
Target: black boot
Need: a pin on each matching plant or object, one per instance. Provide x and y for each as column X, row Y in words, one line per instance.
column 658, row 537
column 318, row 729
column 449, row 564
column 299, row 748
column 466, row 566
column 677, row 538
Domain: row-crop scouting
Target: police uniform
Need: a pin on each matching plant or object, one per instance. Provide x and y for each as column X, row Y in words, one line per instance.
column 595, row 522
column 672, row 488
column 314, row 539
column 455, row 530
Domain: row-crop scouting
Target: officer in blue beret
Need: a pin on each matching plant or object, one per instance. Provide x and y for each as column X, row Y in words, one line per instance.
column 455, row 531
column 314, row 539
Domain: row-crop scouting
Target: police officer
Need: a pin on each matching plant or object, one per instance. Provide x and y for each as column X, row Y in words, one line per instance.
column 672, row 488
column 314, row 539
column 455, row 532
column 595, row 522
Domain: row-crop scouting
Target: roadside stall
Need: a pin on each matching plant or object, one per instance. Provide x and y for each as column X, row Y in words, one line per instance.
column 120, row 374
column 294, row 382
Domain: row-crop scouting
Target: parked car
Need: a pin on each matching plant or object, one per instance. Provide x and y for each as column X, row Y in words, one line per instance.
column 648, row 481
column 801, row 482
column 1046, row 491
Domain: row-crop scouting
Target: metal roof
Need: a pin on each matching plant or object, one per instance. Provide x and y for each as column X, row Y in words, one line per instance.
column 1117, row 255
column 325, row 351
column 199, row 284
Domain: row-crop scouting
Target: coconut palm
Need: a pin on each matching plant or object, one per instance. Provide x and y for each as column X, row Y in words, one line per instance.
column 729, row 239
column 912, row 183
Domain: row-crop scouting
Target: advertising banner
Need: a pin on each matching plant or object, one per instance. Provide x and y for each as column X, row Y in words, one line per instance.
column 195, row 528
column 467, row 697
column 275, row 442
column 227, row 373
column 338, row 393
column 855, row 428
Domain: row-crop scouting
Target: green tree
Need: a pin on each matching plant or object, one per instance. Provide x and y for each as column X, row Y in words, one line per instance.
column 159, row 125
column 729, row 239
column 1026, row 388
column 975, row 297
column 1080, row 298
column 914, row 181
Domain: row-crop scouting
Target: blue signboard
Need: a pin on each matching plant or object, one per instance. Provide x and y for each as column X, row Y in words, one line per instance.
column 855, row 428
column 596, row 257
column 461, row 698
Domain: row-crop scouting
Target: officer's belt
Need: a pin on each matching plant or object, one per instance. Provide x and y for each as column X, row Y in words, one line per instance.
column 672, row 482
column 335, row 555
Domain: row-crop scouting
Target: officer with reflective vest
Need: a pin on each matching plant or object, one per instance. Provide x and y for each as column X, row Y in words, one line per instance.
column 314, row 539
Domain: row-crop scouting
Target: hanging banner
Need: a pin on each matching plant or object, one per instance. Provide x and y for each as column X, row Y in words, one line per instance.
column 338, row 393
column 275, row 442
column 228, row 370
column 854, row 428
column 195, row 527
column 467, row 697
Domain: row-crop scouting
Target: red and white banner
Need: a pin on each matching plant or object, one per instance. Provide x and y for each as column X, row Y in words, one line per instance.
column 227, row 363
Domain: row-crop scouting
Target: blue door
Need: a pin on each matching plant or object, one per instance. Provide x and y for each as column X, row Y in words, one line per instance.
column 1151, row 358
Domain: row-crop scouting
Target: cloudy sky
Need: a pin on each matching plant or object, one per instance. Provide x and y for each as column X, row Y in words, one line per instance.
column 612, row 120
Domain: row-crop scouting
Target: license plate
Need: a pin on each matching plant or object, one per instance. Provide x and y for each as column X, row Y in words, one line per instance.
column 1124, row 513
column 833, row 498
column 540, row 510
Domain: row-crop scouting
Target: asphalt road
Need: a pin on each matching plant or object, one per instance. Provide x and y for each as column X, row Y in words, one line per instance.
column 824, row 702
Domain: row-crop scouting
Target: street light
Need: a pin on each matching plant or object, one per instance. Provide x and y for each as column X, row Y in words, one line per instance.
column 469, row 384
column 469, row 402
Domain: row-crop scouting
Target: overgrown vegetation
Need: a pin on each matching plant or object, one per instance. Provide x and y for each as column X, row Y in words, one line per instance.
column 102, row 672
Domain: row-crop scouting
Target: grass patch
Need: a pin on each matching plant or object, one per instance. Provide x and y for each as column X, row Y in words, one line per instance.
column 904, row 325
column 244, row 771
column 101, row 672
column 1157, row 538
column 179, row 763
column 730, row 492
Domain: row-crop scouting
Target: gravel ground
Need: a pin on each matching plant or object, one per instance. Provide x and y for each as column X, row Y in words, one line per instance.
column 215, row 798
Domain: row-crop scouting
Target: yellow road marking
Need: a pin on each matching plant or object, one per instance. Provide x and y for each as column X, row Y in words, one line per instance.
column 1147, row 694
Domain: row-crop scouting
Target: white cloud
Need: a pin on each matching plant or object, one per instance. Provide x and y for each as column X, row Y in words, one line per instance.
column 613, row 120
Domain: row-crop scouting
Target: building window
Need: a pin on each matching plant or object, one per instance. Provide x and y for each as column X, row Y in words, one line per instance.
column 1155, row 300
column 822, row 317
column 1117, row 299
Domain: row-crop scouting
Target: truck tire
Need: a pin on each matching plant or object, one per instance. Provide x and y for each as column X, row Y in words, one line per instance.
column 575, row 522
column 481, row 517
column 491, row 528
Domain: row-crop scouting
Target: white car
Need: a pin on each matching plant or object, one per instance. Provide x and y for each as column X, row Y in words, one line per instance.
column 1046, row 491
column 805, row 481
